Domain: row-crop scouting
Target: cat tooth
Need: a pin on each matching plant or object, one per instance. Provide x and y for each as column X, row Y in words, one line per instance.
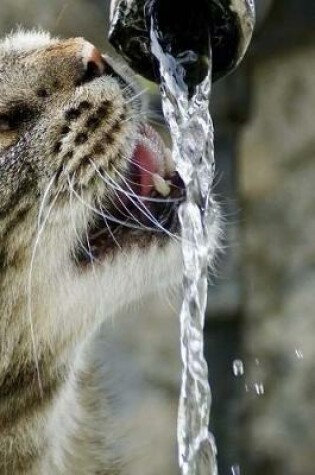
column 169, row 162
column 161, row 186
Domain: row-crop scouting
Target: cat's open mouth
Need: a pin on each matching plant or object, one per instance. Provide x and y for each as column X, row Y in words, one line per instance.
column 145, row 203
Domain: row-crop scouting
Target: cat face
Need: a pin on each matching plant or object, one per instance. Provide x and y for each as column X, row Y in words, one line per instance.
column 70, row 120
column 88, row 191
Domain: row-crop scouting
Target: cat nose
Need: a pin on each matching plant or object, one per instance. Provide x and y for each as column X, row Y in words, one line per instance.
column 93, row 62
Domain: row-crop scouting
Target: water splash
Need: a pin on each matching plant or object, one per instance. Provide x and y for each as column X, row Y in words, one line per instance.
column 259, row 389
column 238, row 368
column 187, row 114
column 299, row 354
column 236, row 470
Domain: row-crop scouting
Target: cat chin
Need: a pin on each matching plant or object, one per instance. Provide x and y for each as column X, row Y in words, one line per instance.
column 133, row 275
column 141, row 272
column 107, row 288
column 137, row 272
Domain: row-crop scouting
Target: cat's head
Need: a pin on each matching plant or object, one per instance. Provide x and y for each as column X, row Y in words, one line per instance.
column 88, row 191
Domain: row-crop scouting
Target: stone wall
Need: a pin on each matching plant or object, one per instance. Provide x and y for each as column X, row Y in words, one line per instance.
column 277, row 179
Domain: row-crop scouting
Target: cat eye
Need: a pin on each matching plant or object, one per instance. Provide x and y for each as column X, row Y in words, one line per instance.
column 12, row 120
column 5, row 125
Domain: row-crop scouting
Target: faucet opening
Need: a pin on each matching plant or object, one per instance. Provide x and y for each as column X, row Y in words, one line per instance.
column 186, row 30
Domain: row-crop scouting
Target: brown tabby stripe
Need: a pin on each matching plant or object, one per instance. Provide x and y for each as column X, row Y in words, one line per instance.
column 15, row 200
column 14, row 461
column 3, row 259
column 20, row 393
column 16, row 216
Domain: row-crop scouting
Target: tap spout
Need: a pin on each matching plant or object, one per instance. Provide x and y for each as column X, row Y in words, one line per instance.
column 184, row 26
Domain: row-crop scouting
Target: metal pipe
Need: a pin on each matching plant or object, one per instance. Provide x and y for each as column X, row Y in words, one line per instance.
column 184, row 26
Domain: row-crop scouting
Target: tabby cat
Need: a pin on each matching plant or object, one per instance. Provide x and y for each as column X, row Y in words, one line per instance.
column 88, row 225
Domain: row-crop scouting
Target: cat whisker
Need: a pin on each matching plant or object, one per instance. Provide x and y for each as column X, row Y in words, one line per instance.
column 147, row 198
column 103, row 214
column 41, row 224
column 116, row 188
column 137, row 96
column 78, row 236
column 134, row 200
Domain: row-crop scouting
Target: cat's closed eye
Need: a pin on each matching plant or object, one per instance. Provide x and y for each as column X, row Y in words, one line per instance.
column 4, row 123
column 12, row 119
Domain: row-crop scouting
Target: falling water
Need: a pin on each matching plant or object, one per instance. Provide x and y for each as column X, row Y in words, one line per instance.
column 187, row 114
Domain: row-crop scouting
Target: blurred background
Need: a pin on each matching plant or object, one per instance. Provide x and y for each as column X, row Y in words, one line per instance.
column 260, row 330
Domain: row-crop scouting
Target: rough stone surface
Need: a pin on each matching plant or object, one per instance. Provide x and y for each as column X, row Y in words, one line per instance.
column 277, row 180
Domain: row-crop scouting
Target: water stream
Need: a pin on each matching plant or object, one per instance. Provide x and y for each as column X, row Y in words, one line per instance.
column 187, row 114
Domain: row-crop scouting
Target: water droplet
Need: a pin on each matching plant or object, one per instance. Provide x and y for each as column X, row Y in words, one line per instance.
column 259, row 389
column 235, row 469
column 299, row 354
column 238, row 368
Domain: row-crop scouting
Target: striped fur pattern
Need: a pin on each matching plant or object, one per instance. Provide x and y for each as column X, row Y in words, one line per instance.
column 58, row 129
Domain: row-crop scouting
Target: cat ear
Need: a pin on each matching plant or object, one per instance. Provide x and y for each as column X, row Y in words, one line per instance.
column 25, row 40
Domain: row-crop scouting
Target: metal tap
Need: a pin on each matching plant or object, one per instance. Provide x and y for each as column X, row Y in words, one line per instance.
column 185, row 29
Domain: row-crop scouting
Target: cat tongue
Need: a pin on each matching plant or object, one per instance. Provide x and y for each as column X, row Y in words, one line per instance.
column 146, row 163
column 153, row 165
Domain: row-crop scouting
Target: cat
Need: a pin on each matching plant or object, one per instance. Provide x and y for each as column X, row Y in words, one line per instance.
column 89, row 197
